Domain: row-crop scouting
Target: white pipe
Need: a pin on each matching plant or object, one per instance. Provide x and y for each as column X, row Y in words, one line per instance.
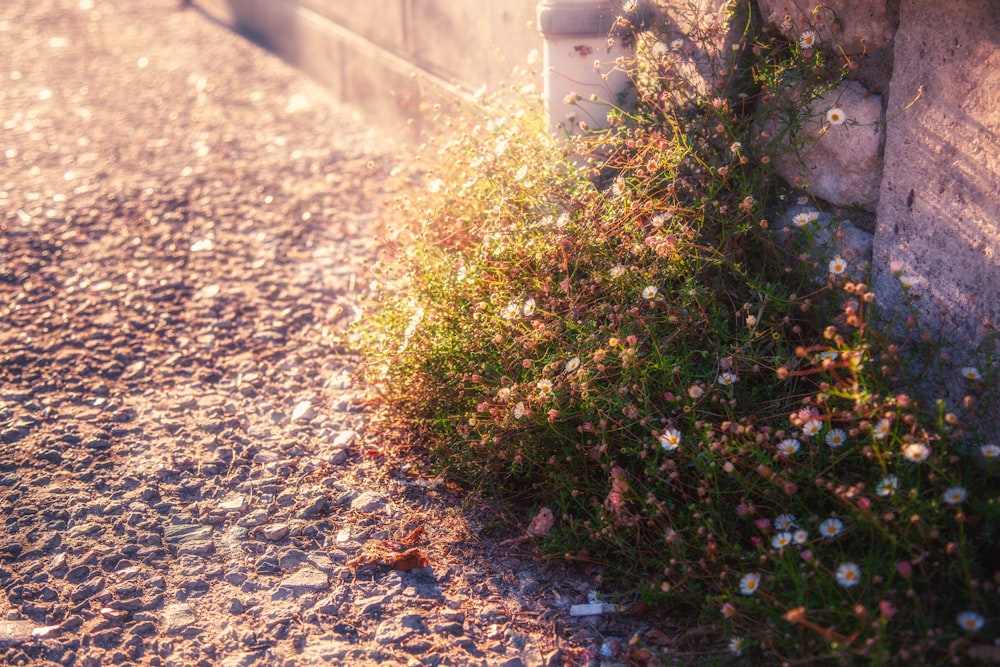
column 581, row 77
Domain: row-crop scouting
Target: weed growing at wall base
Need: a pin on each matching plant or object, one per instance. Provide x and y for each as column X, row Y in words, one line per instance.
column 710, row 414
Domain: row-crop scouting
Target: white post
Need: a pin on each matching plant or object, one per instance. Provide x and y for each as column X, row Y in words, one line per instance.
column 581, row 77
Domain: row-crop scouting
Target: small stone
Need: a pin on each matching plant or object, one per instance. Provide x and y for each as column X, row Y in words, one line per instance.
column 87, row 589
column 58, row 562
column 114, row 614
column 78, row 574
column 292, row 558
column 306, row 579
column 177, row 617
column 449, row 628
column 235, row 504
column 303, row 411
column 98, row 444
column 186, row 532
column 317, row 506
column 274, row 532
column 236, row 578
column 344, row 439
column 203, row 548
column 397, row 630
column 254, row 519
column 369, row 501
column 143, row 629
column 45, row 631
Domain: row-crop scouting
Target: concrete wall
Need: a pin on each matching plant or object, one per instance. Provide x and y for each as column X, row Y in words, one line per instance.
column 386, row 57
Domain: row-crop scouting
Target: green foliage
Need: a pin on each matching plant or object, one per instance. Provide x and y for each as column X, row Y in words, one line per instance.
column 620, row 338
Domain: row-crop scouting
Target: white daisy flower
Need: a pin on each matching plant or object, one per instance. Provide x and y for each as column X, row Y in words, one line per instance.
column 888, row 486
column 617, row 271
column 544, row 386
column 831, row 527
column 972, row 373
column 990, row 451
column 784, row 522
column 727, row 378
column 836, row 116
column 781, row 540
column 970, row 621
column 916, row 452
column 511, row 310
column 837, row 265
column 736, row 645
column 518, row 410
column 670, row 439
column 572, row 365
column 881, row 429
column 749, row 583
column 848, row 574
column 807, row 40
column 800, row 536
column 528, row 308
column 836, row 438
column 649, row 292
column 803, row 219
column 956, row 495
column 812, row 427
column 788, row 446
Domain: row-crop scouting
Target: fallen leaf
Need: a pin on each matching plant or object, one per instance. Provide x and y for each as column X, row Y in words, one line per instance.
column 408, row 560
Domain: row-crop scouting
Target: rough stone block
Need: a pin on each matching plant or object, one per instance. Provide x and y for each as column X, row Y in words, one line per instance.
column 939, row 212
column 840, row 163
column 856, row 26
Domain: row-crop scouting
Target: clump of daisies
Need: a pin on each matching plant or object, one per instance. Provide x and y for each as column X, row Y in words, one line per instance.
column 714, row 422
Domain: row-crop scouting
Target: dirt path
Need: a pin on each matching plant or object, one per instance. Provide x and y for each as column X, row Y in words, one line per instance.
column 186, row 472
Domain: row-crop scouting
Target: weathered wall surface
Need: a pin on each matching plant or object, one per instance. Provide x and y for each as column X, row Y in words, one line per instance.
column 939, row 207
column 937, row 195
column 385, row 57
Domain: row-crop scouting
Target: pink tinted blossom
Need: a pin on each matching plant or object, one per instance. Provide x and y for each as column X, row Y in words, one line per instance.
column 763, row 523
column 904, row 568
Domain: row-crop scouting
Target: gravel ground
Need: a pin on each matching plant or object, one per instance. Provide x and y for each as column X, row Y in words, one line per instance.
column 187, row 473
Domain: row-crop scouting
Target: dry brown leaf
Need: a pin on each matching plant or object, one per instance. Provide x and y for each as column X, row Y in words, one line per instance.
column 408, row 560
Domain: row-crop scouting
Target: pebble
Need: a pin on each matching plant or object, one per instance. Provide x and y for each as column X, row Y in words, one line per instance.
column 235, row 504
column 177, row 617
column 395, row 630
column 186, row 532
column 305, row 579
column 15, row 632
column 274, row 532
column 368, row 501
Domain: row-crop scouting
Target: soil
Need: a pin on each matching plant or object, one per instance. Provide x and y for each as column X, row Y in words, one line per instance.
column 189, row 474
